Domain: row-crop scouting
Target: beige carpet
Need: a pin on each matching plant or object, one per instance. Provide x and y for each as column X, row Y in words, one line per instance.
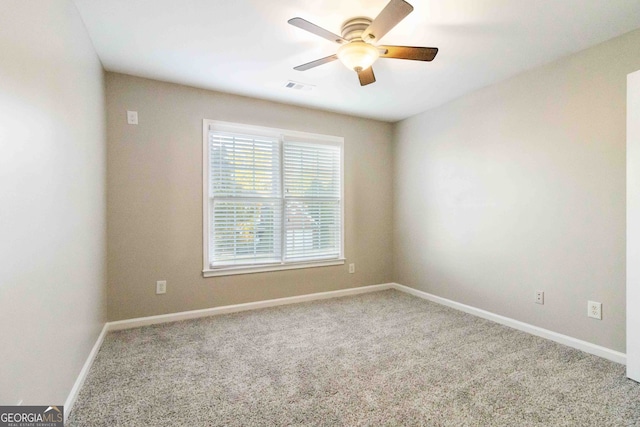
column 384, row 358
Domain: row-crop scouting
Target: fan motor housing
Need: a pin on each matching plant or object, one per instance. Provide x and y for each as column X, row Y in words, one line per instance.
column 354, row 27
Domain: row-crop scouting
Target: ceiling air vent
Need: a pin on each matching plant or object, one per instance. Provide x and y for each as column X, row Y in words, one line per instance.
column 299, row 86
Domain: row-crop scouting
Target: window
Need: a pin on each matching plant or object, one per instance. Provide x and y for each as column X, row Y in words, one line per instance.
column 273, row 199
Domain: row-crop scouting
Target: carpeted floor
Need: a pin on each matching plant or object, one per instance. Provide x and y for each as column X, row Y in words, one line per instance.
column 384, row 358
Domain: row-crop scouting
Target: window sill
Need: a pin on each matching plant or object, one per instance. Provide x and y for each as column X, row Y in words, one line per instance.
column 230, row 271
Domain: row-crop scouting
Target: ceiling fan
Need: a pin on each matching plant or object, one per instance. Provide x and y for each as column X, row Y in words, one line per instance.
column 357, row 51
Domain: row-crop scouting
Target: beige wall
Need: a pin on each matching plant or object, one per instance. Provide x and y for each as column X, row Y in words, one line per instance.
column 155, row 199
column 521, row 187
column 52, row 200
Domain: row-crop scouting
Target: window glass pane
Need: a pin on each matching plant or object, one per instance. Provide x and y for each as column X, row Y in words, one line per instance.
column 311, row 170
column 312, row 230
column 244, row 232
column 243, row 166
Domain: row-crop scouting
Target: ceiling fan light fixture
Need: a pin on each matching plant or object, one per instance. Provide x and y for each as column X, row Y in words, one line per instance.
column 356, row 52
column 358, row 55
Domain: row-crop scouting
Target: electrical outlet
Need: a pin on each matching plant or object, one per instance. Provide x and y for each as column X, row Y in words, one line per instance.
column 132, row 117
column 161, row 287
column 352, row 268
column 539, row 297
column 594, row 310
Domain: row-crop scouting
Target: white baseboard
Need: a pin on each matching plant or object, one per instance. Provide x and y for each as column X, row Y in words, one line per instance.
column 194, row 314
column 606, row 353
column 82, row 376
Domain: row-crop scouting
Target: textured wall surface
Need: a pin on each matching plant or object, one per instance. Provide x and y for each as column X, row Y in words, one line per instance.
column 521, row 187
column 52, row 200
column 155, row 199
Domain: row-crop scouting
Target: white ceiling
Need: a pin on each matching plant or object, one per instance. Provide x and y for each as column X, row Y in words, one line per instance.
column 246, row 47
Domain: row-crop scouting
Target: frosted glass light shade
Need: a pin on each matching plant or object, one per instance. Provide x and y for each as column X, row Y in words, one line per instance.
column 358, row 55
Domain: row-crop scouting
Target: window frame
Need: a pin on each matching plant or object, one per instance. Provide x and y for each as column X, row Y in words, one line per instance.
column 281, row 135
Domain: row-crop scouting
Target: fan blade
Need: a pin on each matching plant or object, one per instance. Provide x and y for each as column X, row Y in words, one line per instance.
column 391, row 15
column 308, row 65
column 318, row 31
column 366, row 76
column 409, row 52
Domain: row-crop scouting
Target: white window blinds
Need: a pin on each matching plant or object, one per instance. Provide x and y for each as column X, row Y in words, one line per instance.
column 272, row 200
column 245, row 207
column 244, row 166
column 312, row 201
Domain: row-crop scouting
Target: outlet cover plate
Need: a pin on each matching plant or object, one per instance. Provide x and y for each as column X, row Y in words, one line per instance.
column 132, row 117
column 539, row 297
column 161, row 287
column 594, row 310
